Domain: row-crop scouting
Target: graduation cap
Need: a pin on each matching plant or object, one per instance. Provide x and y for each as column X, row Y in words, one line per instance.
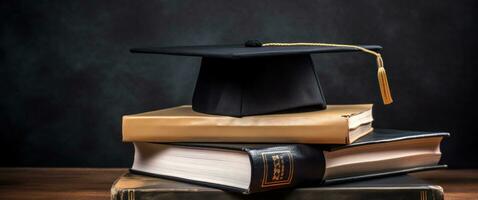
column 262, row 78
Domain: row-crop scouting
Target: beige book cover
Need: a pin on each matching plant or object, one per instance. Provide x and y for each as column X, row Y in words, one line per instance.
column 338, row 124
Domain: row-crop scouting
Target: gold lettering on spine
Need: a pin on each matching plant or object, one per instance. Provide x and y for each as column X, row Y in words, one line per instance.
column 279, row 168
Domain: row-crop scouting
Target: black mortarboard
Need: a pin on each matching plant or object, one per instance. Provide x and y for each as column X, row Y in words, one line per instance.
column 256, row 78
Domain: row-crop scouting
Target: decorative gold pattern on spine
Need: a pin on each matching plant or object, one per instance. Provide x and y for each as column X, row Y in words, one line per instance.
column 276, row 181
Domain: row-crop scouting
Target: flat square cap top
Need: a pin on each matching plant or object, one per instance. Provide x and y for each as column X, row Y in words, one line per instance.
column 241, row 51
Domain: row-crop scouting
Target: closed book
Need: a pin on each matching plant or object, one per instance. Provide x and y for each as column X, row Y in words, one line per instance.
column 338, row 124
column 138, row 187
column 250, row 168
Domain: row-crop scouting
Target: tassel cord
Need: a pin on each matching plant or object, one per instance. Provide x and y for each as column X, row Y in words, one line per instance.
column 381, row 73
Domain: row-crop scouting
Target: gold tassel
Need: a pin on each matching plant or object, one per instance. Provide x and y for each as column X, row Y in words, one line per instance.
column 382, row 75
column 383, row 82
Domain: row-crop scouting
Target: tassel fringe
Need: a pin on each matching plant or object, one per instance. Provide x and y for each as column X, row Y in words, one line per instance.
column 383, row 82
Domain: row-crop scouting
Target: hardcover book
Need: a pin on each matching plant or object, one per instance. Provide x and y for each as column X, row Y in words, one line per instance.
column 138, row 187
column 250, row 168
column 338, row 124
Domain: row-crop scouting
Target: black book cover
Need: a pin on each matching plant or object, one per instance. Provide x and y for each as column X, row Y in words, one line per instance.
column 138, row 187
column 276, row 166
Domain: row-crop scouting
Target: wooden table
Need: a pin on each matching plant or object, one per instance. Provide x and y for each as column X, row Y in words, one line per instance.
column 95, row 183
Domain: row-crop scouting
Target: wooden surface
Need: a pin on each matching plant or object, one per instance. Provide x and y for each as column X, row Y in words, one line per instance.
column 91, row 184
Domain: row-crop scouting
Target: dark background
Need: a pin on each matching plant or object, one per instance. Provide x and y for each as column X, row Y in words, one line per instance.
column 67, row 76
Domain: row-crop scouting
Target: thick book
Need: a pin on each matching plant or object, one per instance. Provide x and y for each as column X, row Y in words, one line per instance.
column 250, row 168
column 138, row 187
column 338, row 124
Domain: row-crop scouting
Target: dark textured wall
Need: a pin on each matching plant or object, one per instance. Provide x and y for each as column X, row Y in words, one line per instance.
column 67, row 76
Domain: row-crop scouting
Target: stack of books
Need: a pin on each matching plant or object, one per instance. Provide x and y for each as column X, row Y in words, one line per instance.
column 268, row 152
column 259, row 128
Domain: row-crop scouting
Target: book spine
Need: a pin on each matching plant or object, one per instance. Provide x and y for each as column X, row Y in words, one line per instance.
column 285, row 166
column 359, row 193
